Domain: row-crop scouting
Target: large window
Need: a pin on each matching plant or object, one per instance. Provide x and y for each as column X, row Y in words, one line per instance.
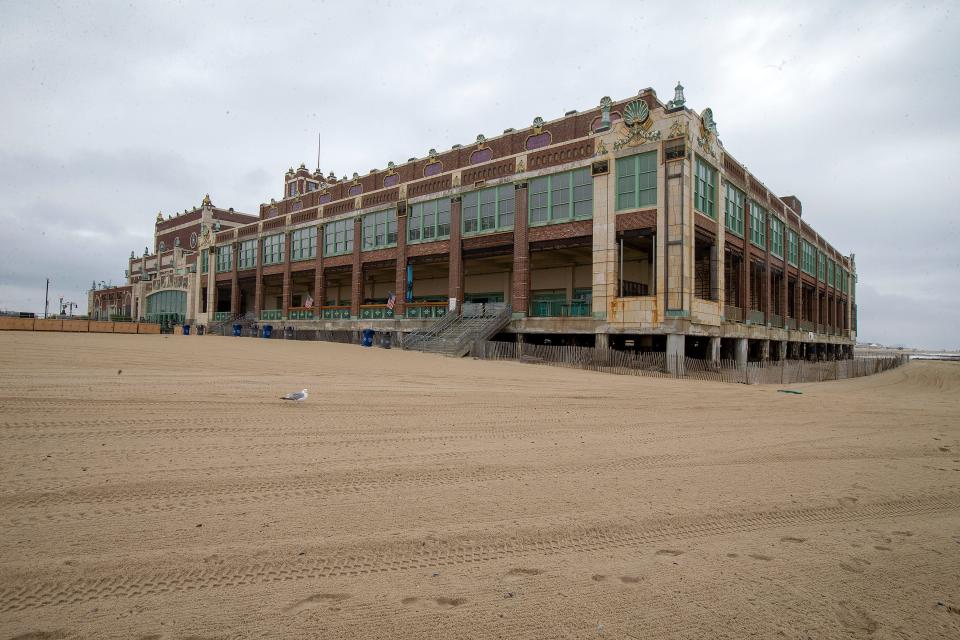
column 705, row 189
column 758, row 225
column 488, row 210
column 338, row 237
column 808, row 257
column 204, row 260
column 428, row 221
column 273, row 249
column 735, row 205
column 303, row 244
column 792, row 248
column 561, row 197
column 637, row 181
column 821, row 266
column 224, row 258
column 248, row 254
column 776, row 236
column 380, row 229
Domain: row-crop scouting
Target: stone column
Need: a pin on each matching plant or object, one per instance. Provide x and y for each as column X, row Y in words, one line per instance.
column 356, row 275
column 521, row 253
column 600, row 341
column 234, row 281
column 764, row 350
column 400, row 267
column 285, row 305
column 783, row 350
column 676, row 346
column 713, row 352
column 455, row 263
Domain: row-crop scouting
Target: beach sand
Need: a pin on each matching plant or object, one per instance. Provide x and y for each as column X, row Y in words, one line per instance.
column 156, row 487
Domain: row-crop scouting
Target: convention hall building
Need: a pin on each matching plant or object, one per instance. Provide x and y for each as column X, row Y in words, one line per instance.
column 628, row 225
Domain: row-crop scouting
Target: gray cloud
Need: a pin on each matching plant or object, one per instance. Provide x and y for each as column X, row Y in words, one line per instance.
column 113, row 111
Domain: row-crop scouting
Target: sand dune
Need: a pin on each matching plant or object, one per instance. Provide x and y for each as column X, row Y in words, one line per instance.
column 156, row 487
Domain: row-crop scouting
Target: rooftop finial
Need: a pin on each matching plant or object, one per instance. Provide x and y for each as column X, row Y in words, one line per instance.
column 678, row 99
column 206, row 201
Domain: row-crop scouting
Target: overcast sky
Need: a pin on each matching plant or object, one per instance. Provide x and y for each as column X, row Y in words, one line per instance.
column 113, row 111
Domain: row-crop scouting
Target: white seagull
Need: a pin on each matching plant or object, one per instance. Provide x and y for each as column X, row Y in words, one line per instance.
column 296, row 396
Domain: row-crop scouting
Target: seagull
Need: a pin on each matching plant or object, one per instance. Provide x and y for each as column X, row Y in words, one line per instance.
column 296, row 396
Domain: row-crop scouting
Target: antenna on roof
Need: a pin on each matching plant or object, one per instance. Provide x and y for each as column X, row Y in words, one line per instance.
column 318, row 152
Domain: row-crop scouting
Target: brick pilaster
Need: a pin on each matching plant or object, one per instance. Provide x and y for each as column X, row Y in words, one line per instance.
column 211, row 283
column 258, row 292
column 520, row 296
column 285, row 306
column 319, row 285
column 356, row 274
column 767, row 275
column 455, row 269
column 234, row 279
column 746, row 269
column 400, row 267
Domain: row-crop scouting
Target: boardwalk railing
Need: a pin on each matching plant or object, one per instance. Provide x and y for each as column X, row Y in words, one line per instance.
column 659, row 364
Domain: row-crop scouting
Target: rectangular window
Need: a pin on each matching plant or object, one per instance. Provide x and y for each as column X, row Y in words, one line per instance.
column 291, row 189
column 488, row 210
column 338, row 237
column 735, row 205
column 704, row 188
column 303, row 244
column 776, row 236
column 273, row 249
column 561, row 197
column 380, row 229
column 821, row 266
column 637, row 181
column 792, row 247
column 248, row 254
column 204, row 260
column 224, row 258
column 758, row 225
column 808, row 257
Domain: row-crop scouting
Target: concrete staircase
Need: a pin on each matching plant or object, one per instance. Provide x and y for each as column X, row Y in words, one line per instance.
column 455, row 333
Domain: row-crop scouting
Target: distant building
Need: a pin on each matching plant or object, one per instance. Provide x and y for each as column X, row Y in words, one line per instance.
column 628, row 225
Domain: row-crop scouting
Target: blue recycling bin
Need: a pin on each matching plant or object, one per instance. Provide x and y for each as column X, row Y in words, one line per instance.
column 267, row 330
column 237, row 328
column 186, row 329
column 366, row 339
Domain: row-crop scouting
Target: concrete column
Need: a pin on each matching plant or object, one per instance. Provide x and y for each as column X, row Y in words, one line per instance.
column 764, row 350
column 676, row 346
column 519, row 345
column 783, row 349
column 400, row 267
column 743, row 349
column 713, row 352
column 455, row 269
column 601, row 341
column 285, row 304
column 356, row 275
column 521, row 253
column 234, row 283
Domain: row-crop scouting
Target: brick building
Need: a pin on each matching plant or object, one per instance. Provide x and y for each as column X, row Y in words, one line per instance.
column 628, row 225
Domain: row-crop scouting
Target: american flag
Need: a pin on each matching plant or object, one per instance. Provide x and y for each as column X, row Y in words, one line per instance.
column 308, row 302
column 391, row 300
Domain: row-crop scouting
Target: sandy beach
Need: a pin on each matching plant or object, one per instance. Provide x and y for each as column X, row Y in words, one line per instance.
column 157, row 487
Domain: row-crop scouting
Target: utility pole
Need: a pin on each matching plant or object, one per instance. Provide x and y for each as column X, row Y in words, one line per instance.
column 46, row 300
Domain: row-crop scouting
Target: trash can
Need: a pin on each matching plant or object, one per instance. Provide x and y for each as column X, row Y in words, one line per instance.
column 366, row 339
column 200, row 330
column 267, row 330
column 237, row 328
column 186, row 329
column 288, row 333
column 385, row 339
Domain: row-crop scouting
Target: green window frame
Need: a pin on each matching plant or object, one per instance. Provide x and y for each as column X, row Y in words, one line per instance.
column 735, row 204
column 247, row 254
column 560, row 197
column 831, row 280
column 303, row 243
column 379, row 230
column 224, row 258
column 273, row 249
column 776, row 236
column 705, row 188
column 338, row 237
column 204, row 260
column 637, row 181
column 792, row 249
column 429, row 221
column 488, row 210
column 821, row 266
column 758, row 225
column 808, row 264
